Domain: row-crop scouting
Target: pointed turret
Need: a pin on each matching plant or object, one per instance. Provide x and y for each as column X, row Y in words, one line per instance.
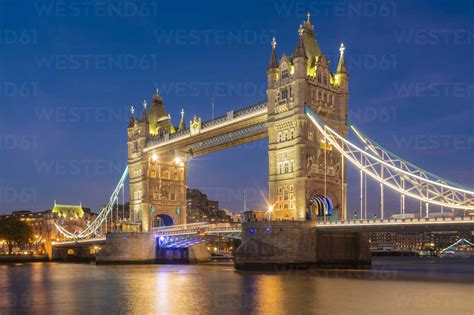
column 272, row 71
column 182, row 122
column 131, row 121
column 157, row 112
column 300, row 59
column 300, row 50
column 273, row 64
column 341, row 67
column 144, row 113
column 310, row 44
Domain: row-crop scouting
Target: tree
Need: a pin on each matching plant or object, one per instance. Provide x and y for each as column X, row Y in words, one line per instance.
column 15, row 232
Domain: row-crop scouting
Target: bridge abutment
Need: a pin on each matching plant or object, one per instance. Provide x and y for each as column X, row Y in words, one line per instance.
column 193, row 254
column 342, row 249
column 269, row 244
column 142, row 248
column 123, row 248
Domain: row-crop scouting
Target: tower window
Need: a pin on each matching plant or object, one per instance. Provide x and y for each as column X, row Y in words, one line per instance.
column 284, row 94
column 284, row 74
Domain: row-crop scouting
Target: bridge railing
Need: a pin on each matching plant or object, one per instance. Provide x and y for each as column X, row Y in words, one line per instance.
column 211, row 123
column 405, row 220
column 197, row 228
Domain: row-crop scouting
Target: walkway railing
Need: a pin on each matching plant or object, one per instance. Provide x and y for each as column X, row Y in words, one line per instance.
column 222, row 120
column 198, row 228
column 466, row 219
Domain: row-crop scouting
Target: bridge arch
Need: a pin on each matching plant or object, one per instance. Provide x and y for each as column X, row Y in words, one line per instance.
column 161, row 220
column 320, row 204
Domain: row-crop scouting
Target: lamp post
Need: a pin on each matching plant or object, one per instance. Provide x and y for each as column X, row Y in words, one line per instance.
column 269, row 212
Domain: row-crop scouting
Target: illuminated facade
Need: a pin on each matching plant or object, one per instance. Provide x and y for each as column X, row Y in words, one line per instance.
column 298, row 156
column 306, row 177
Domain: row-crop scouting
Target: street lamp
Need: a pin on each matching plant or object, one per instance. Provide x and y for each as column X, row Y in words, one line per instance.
column 269, row 212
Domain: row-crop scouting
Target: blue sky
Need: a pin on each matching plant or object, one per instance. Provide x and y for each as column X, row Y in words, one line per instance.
column 69, row 71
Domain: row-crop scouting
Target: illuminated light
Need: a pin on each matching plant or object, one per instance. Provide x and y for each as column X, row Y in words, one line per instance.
column 311, row 72
column 154, row 157
column 268, row 229
column 252, row 230
column 178, row 161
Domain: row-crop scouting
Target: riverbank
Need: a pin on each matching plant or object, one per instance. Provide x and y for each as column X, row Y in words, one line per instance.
column 23, row 258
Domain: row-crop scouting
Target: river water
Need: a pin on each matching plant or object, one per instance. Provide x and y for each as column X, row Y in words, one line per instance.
column 392, row 286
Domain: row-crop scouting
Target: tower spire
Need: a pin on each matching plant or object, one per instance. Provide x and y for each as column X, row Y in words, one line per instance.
column 341, row 67
column 131, row 121
column 144, row 113
column 273, row 58
column 182, row 122
column 300, row 50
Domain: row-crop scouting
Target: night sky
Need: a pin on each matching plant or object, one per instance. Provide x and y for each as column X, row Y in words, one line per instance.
column 70, row 70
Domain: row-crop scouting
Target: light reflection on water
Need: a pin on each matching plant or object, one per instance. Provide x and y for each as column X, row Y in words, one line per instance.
column 392, row 286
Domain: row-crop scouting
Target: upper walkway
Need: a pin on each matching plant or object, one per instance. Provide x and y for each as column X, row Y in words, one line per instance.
column 235, row 128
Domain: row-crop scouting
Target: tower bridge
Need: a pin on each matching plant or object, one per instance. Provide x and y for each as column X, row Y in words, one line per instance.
column 159, row 152
column 305, row 119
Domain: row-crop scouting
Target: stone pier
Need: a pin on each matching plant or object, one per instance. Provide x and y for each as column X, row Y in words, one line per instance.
column 128, row 248
column 267, row 245
column 342, row 249
column 193, row 254
column 142, row 248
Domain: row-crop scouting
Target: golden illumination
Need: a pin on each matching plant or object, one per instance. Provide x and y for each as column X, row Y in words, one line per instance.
column 312, row 71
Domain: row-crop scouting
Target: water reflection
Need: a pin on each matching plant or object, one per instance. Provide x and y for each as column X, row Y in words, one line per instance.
column 390, row 287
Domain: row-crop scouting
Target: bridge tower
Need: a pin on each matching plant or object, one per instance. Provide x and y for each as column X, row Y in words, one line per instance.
column 157, row 179
column 303, row 169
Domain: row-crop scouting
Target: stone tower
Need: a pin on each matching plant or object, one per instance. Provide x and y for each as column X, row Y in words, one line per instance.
column 157, row 178
column 306, row 176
